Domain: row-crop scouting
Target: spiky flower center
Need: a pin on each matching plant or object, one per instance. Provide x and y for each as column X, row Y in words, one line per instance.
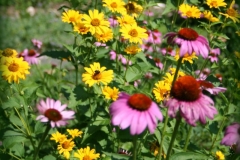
column 139, row 102
column 133, row 33
column 72, row 19
column 232, row 12
column 114, row 5
column 188, row 34
column 97, row 75
column 31, row 53
column 13, row 67
column 130, row 7
column 205, row 84
column 186, row 88
column 53, row 115
column 214, row 4
column 66, row 144
column 95, row 22
column 87, row 158
column 7, row 52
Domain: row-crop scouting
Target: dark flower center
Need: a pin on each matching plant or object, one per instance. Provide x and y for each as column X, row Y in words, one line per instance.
column 130, row 7
column 205, row 84
column 31, row 53
column 188, row 34
column 186, row 88
column 97, row 75
column 7, row 52
column 139, row 102
column 95, row 22
column 86, row 158
column 232, row 12
column 114, row 5
column 13, row 67
column 133, row 33
column 66, row 144
column 53, row 114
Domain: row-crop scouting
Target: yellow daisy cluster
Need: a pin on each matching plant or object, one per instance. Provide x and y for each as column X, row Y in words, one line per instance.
column 189, row 11
column 232, row 13
column 13, row 68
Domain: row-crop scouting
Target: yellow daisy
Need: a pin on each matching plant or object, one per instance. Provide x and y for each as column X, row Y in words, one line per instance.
column 80, row 28
column 134, row 33
column 7, row 53
column 125, row 20
column 86, row 154
column 75, row 133
column 97, row 74
column 186, row 56
column 133, row 8
column 115, row 6
column 168, row 78
column 71, row 16
column 219, row 155
column 105, row 36
column 208, row 15
column 132, row 49
column 232, row 13
column 95, row 22
column 14, row 69
column 189, row 11
column 110, row 93
column 65, row 147
column 58, row 137
column 216, row 3
column 161, row 90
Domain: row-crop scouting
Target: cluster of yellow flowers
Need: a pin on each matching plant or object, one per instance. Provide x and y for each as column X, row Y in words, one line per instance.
column 66, row 145
column 193, row 12
column 13, row 68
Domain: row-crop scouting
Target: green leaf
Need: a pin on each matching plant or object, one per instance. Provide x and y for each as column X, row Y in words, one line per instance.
column 56, row 54
column 188, row 156
column 115, row 156
column 18, row 149
column 49, row 157
column 12, row 133
column 133, row 73
column 10, row 141
column 16, row 101
column 169, row 7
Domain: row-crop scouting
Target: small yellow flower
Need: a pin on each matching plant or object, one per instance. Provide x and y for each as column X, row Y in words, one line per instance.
column 80, row 28
column 86, row 154
column 161, row 90
column 58, row 137
column 126, row 19
column 115, row 6
column 168, row 78
column 65, row 147
column 7, row 53
column 220, row 155
column 132, row 49
column 110, row 93
column 208, row 15
column 232, row 13
column 216, row 3
column 105, row 36
column 189, row 11
column 154, row 147
column 186, row 57
column 75, row 133
column 133, row 9
column 71, row 16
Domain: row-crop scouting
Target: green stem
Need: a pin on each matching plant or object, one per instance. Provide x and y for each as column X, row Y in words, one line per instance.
column 188, row 138
column 76, row 71
column 177, row 69
column 175, row 131
column 41, row 141
column 135, row 148
column 127, row 65
column 203, row 66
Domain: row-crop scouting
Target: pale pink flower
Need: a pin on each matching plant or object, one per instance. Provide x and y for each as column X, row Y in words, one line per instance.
column 37, row 43
column 169, row 51
column 31, row 56
column 214, row 53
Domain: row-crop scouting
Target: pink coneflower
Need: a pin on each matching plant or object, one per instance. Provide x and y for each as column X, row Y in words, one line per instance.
column 158, row 63
column 31, row 56
column 214, row 53
column 37, row 43
column 168, row 50
column 208, row 86
column 147, row 47
column 232, row 136
column 189, row 41
column 137, row 83
column 136, row 111
column 188, row 99
column 148, row 75
column 53, row 111
column 204, row 74
column 154, row 37
column 114, row 55
column 113, row 21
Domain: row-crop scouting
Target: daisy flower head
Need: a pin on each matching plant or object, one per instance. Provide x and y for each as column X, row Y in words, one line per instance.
column 95, row 22
column 232, row 136
column 189, row 41
column 54, row 112
column 105, row 36
column 136, row 111
column 134, row 33
column 74, row 133
column 86, row 153
column 188, row 99
column 7, row 53
column 161, row 90
column 71, row 16
column 14, row 69
column 133, row 8
column 58, row 137
column 219, row 155
column 216, row 3
column 232, row 13
column 80, row 28
column 97, row 74
column 31, row 56
column 188, row 11
column 208, row 15
column 115, row 6
column 65, row 147
column 126, row 20
column 187, row 57
column 110, row 93
column 132, row 49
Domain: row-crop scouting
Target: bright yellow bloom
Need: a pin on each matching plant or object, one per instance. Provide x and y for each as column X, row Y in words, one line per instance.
column 232, row 13
column 208, row 15
column 220, row 155
column 7, row 53
column 95, row 22
column 58, row 137
column 186, row 56
column 132, row 49
column 125, row 20
column 134, row 33
column 216, row 3
column 75, row 133
column 80, row 28
column 86, row 154
column 97, row 74
column 71, row 16
column 133, row 8
column 110, row 93
column 168, row 78
column 14, row 69
column 189, row 11
column 65, row 147
column 161, row 90
column 105, row 36
column 115, row 6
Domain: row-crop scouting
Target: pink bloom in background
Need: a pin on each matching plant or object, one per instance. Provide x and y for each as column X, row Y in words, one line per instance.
column 149, row 13
column 154, row 37
column 189, row 41
column 208, row 86
column 214, row 53
column 168, row 50
column 203, row 75
column 136, row 111
column 188, row 99
column 54, row 112
column 113, row 21
column 136, row 83
column 148, row 75
column 114, row 55
column 147, row 47
column 37, row 43
column 158, row 63
column 232, row 136
column 31, row 56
